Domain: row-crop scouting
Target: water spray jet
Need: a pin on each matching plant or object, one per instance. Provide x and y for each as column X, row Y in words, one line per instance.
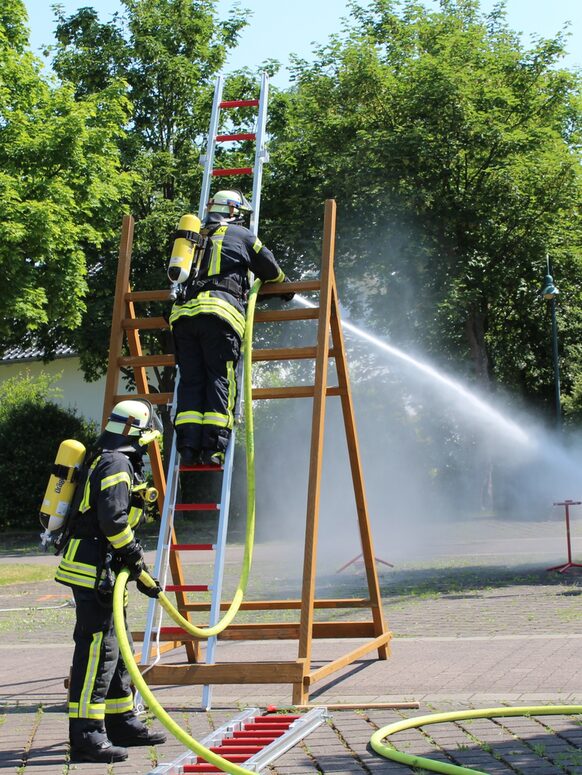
column 512, row 431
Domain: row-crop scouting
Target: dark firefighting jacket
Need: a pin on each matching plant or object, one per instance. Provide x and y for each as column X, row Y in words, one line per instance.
column 110, row 510
column 221, row 282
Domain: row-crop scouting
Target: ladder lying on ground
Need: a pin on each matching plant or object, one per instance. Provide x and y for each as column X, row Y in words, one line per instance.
column 251, row 739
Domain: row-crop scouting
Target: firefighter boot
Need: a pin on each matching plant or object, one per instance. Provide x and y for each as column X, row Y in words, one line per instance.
column 89, row 743
column 127, row 730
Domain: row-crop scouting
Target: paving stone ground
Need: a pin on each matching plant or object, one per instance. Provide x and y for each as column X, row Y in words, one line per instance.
column 478, row 622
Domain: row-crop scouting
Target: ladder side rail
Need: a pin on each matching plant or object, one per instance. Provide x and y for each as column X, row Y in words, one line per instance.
column 222, row 531
column 357, row 473
column 208, row 158
column 118, row 314
column 162, row 560
column 141, row 383
column 261, row 155
column 300, row 692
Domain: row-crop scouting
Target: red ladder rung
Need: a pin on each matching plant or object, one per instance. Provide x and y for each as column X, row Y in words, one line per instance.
column 231, row 742
column 234, row 171
column 257, row 730
column 172, row 631
column 278, row 719
column 236, row 136
column 205, row 767
column 196, row 506
column 236, row 749
column 242, row 734
column 239, row 103
column 256, row 740
column 190, row 547
column 187, row 588
column 235, row 758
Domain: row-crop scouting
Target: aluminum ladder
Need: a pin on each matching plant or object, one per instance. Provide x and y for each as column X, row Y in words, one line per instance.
column 251, row 739
column 166, row 546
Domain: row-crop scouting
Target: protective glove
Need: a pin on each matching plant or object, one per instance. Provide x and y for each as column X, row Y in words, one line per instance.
column 131, row 557
column 149, row 591
column 287, row 296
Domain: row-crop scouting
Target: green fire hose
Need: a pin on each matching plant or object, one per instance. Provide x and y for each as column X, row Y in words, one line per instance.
column 145, row 578
column 436, row 718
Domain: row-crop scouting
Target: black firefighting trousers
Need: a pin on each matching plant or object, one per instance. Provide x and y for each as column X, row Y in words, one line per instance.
column 207, row 353
column 99, row 683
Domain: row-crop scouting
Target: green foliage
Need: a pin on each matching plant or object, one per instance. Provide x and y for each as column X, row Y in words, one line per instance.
column 453, row 152
column 32, row 426
column 168, row 52
column 60, row 185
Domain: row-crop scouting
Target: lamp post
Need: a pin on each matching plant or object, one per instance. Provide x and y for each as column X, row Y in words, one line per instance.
column 549, row 292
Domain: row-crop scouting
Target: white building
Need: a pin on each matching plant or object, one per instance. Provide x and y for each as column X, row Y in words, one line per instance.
column 74, row 392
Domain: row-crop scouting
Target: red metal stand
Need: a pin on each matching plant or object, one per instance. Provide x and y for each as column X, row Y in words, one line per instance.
column 359, row 560
column 569, row 564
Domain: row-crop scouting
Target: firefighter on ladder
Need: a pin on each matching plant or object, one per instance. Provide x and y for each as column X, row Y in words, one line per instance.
column 208, row 325
column 102, row 720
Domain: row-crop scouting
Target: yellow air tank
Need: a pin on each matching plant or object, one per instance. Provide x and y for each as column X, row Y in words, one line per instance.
column 187, row 237
column 61, row 485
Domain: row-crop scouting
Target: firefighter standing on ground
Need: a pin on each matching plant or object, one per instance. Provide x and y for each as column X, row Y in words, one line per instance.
column 102, row 721
column 208, row 326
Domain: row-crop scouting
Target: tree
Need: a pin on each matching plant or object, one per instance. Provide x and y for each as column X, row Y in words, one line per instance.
column 453, row 153
column 60, row 188
column 168, row 52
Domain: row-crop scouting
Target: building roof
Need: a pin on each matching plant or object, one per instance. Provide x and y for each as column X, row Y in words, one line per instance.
column 18, row 354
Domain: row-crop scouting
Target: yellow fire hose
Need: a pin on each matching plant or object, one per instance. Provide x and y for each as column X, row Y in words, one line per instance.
column 200, row 632
column 436, row 718
column 376, row 741
column 145, row 691
column 145, row 578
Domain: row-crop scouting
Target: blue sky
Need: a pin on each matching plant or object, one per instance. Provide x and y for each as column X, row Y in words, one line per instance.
column 278, row 29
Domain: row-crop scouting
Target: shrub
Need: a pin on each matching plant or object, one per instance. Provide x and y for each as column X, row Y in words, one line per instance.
column 32, row 426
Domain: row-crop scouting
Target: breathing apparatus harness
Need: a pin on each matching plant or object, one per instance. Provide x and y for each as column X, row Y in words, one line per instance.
column 200, row 246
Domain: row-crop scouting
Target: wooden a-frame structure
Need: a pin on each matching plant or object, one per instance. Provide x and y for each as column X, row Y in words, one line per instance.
column 376, row 637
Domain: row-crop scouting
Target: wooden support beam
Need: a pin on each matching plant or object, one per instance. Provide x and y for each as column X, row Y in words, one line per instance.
column 277, row 315
column 163, row 399
column 277, row 631
column 287, row 354
column 299, row 391
column 225, row 673
column 347, row 659
column 285, row 605
column 157, row 323
column 146, row 360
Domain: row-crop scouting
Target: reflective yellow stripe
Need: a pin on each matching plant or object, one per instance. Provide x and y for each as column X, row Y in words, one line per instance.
column 94, row 710
column 211, row 306
column 214, row 418
column 231, row 392
column 111, row 481
column 122, row 538
column 134, row 516
column 119, row 705
column 72, row 548
column 216, row 240
column 182, row 418
column 257, row 245
column 87, row 491
column 73, row 579
column 279, row 279
column 90, row 675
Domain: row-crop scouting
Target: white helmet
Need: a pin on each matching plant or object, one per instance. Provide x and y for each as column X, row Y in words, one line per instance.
column 231, row 203
column 131, row 417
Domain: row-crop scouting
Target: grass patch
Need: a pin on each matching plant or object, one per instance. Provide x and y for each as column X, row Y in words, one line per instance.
column 14, row 573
